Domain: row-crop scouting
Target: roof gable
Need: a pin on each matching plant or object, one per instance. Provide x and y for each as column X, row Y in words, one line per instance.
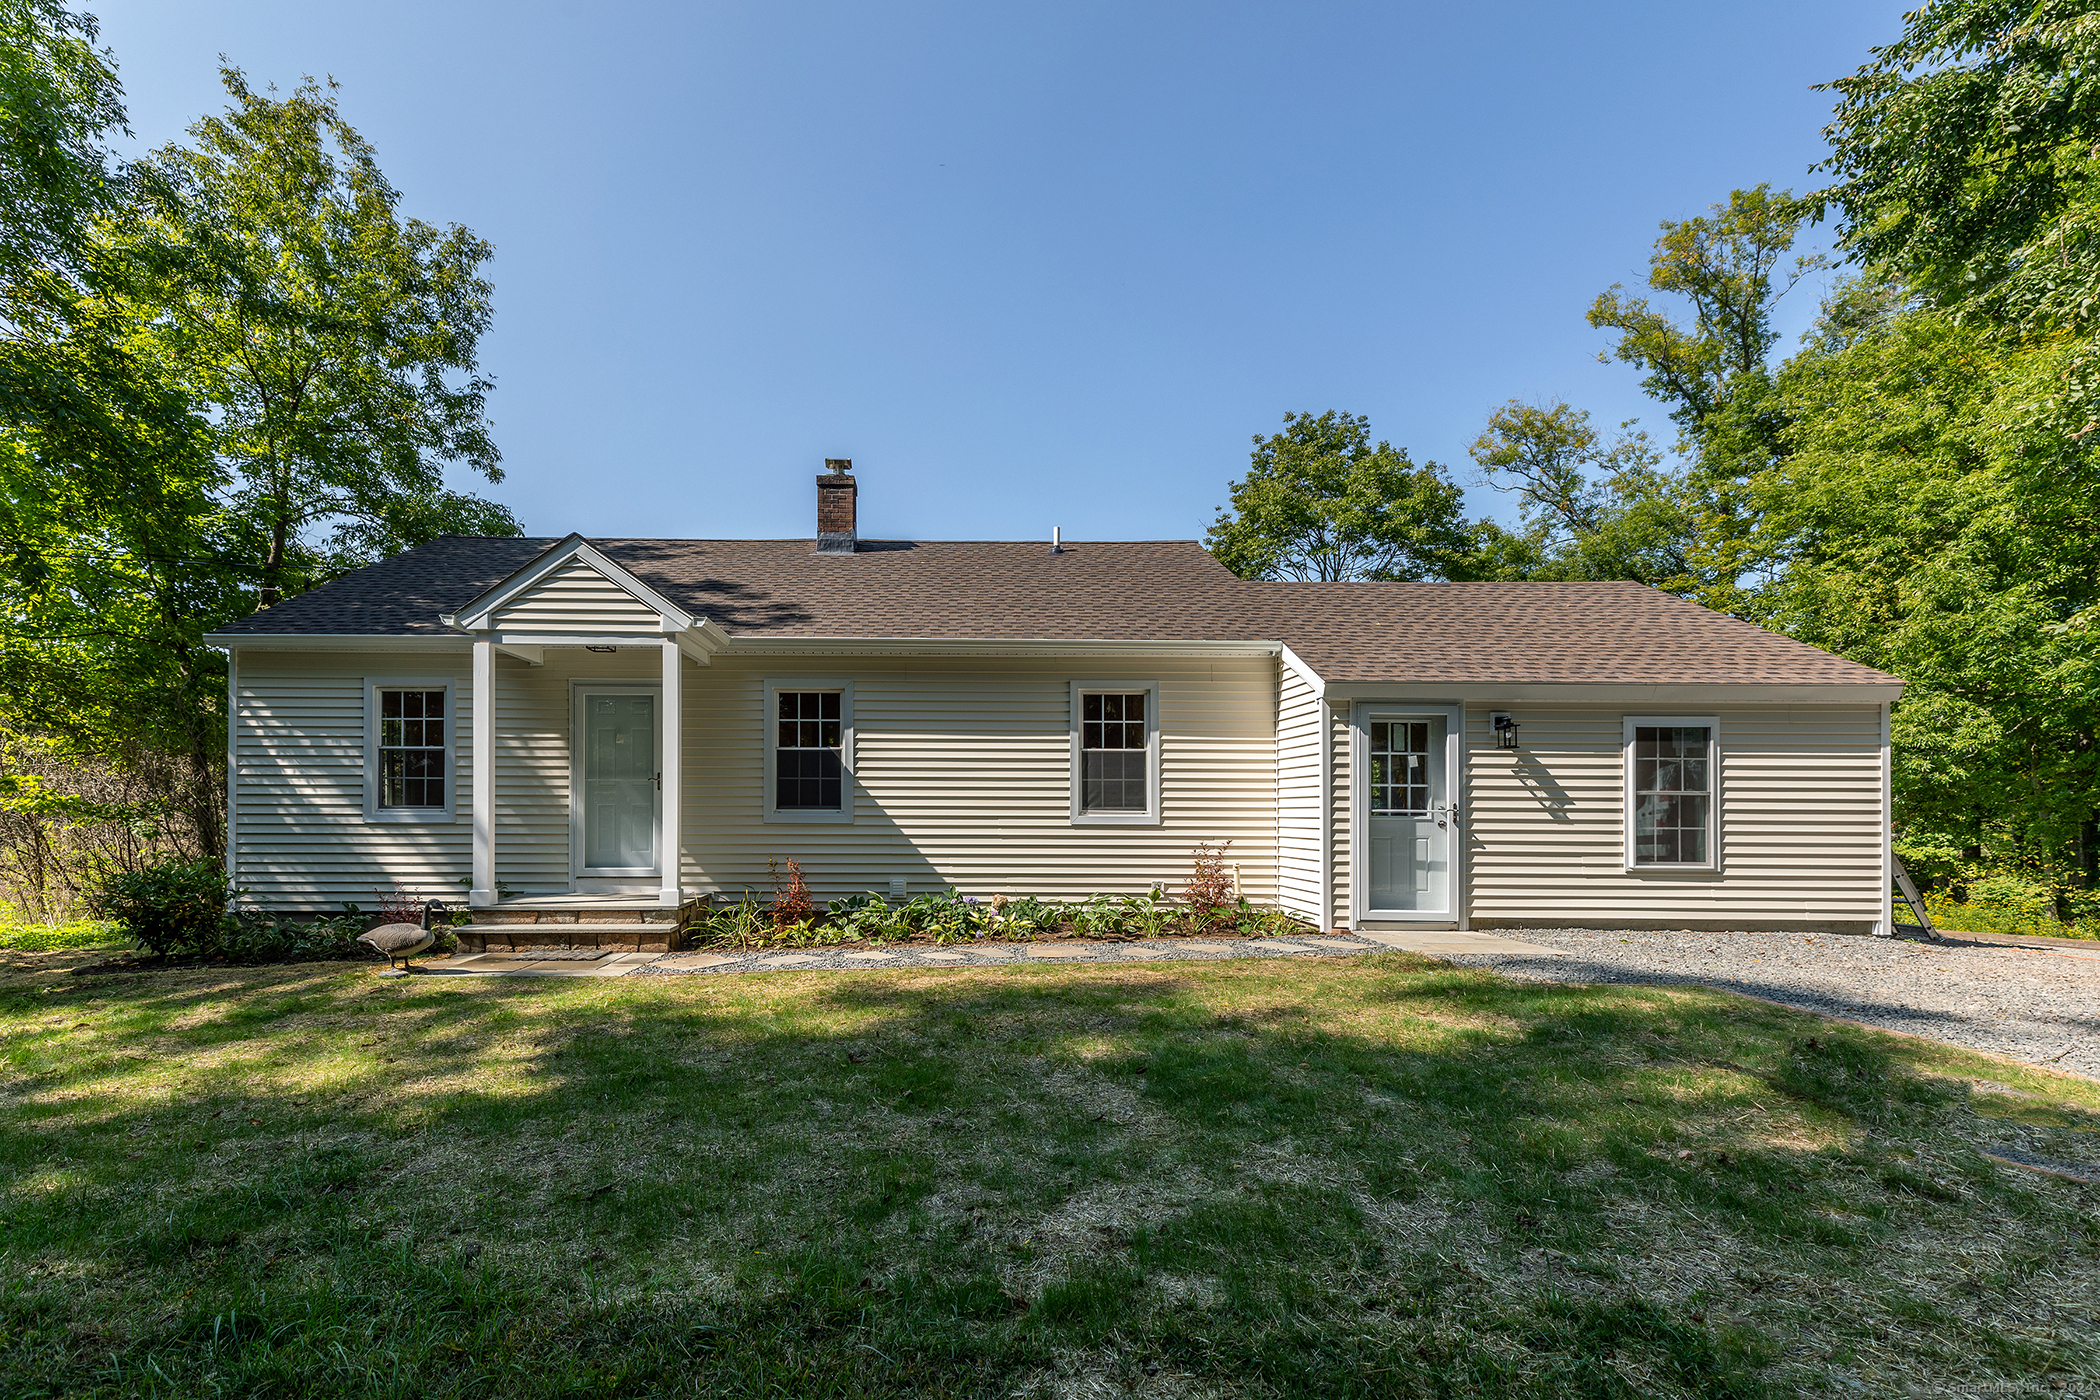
column 575, row 588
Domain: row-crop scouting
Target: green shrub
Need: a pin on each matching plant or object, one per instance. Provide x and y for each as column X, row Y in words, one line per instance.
column 1149, row 913
column 171, row 907
column 867, row 917
column 267, row 938
column 1098, row 915
column 947, row 916
column 1027, row 916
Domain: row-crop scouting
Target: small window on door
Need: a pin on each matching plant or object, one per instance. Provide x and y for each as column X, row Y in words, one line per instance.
column 1671, row 790
column 1114, row 757
column 1399, row 768
column 412, row 750
column 808, row 762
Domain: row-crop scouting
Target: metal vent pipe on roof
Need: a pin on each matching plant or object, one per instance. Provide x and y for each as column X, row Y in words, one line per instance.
column 1057, row 539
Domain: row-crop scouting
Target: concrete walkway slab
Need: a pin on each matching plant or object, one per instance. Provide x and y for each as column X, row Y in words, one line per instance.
column 498, row 965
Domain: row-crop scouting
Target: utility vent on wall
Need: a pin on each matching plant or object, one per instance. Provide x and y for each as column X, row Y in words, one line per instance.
column 897, row 889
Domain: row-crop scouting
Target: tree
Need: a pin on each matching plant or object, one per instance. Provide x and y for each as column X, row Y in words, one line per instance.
column 1913, row 531
column 1594, row 510
column 1725, row 264
column 1321, row 502
column 333, row 343
column 1940, row 513
column 229, row 372
column 1966, row 165
column 101, row 486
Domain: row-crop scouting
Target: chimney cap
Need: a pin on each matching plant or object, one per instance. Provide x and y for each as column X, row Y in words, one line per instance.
column 838, row 465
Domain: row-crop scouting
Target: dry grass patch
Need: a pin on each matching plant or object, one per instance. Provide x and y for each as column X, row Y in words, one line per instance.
column 1375, row 1176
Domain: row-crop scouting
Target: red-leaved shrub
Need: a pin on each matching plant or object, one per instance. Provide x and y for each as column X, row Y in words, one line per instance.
column 1210, row 888
column 791, row 899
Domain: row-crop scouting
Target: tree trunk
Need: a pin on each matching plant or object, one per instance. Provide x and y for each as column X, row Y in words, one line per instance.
column 269, row 594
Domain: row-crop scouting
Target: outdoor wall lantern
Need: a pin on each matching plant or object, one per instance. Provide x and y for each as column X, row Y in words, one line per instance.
column 1505, row 729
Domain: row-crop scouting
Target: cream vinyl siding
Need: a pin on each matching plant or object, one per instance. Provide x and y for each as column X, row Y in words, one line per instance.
column 1298, row 814
column 301, row 838
column 962, row 775
column 576, row 599
column 1801, row 822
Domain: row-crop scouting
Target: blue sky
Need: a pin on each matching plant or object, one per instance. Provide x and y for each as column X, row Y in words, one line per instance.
column 1026, row 265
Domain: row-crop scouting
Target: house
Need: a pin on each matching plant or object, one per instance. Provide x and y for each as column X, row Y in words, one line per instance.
column 615, row 728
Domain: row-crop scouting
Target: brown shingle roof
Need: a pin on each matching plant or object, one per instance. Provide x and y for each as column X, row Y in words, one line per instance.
column 1571, row 633
column 1169, row 590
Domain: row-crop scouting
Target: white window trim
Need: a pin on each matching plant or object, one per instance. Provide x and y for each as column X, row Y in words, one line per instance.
column 1361, row 714
column 768, row 733
column 1712, row 724
column 579, row 687
column 1151, row 816
column 373, row 811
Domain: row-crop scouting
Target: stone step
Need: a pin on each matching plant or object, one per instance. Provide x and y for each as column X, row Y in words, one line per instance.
column 601, row 915
column 630, row 936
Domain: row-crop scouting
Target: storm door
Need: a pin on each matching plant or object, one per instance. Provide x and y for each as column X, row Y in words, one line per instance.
column 1411, row 827
column 618, row 812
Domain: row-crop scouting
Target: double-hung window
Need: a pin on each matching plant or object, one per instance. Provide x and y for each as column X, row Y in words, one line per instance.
column 1115, row 754
column 408, row 752
column 1672, row 794
column 809, row 756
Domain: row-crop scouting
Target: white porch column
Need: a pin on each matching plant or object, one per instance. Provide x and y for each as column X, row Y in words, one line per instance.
column 672, row 857
column 483, row 893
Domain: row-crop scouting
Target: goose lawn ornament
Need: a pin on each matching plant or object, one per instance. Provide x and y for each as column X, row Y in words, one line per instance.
column 403, row 940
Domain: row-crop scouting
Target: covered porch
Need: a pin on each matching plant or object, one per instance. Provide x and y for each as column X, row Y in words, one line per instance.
column 577, row 724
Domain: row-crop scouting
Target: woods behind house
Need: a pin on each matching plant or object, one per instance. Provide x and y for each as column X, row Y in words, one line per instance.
column 233, row 368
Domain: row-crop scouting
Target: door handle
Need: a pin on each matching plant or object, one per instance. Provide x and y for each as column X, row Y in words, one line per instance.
column 659, row 780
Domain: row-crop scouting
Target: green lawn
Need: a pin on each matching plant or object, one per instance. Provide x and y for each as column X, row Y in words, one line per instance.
column 1371, row 1176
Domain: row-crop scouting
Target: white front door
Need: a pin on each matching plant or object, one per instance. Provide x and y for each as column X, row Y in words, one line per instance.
column 1410, row 827
column 617, row 814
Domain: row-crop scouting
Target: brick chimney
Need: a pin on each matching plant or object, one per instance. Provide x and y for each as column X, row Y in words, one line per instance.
column 836, row 525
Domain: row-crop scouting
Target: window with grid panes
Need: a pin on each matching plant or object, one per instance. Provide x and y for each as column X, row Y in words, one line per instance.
column 1112, row 753
column 411, row 748
column 1399, row 768
column 1672, row 795
column 809, row 770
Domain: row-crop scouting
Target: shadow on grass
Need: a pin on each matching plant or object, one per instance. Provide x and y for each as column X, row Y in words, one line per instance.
column 836, row 1185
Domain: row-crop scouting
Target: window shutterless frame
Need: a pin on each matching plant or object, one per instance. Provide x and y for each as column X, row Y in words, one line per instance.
column 1635, row 795
column 1149, row 814
column 769, row 739
column 374, row 811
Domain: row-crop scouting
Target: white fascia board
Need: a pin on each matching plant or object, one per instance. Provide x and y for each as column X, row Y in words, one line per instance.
column 474, row 617
column 1650, row 696
column 340, row 641
column 990, row 646
column 1298, row 667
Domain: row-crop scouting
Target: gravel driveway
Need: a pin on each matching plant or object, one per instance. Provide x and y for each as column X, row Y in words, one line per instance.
column 2041, row 1006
